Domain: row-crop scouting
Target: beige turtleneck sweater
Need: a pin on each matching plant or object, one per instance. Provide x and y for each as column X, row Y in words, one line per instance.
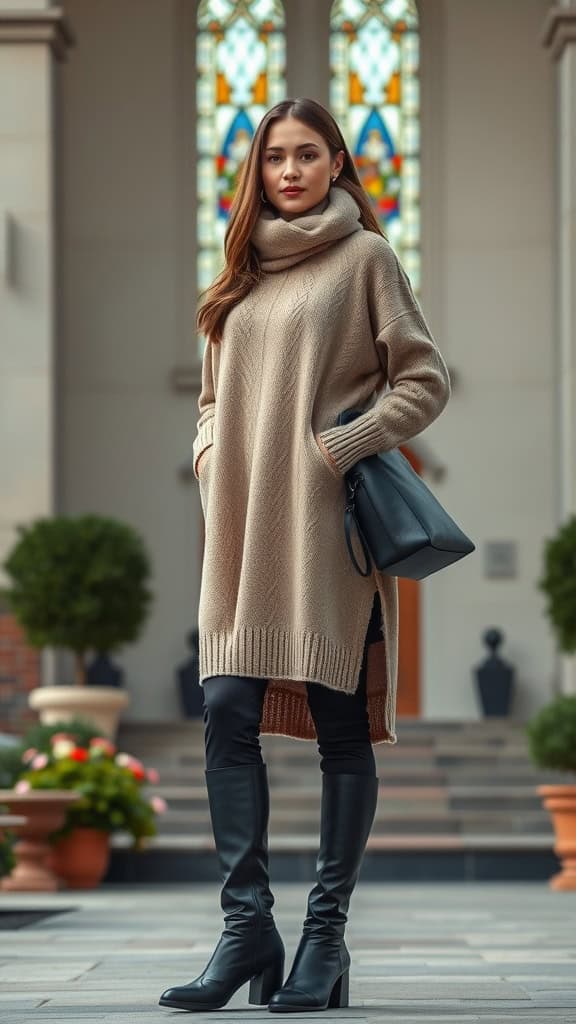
column 331, row 324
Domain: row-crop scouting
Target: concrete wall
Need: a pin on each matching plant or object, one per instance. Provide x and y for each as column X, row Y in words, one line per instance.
column 26, row 284
column 496, row 104
column 128, row 305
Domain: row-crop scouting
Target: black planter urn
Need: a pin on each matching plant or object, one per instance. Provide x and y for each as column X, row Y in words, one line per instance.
column 191, row 693
column 495, row 678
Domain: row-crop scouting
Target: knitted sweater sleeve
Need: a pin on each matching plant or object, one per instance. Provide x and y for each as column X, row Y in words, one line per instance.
column 206, row 406
column 414, row 367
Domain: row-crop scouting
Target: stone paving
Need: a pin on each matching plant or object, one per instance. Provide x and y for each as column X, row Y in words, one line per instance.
column 426, row 953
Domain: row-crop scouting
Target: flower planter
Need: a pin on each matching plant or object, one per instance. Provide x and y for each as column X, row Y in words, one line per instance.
column 560, row 801
column 81, row 858
column 9, row 821
column 44, row 811
column 101, row 705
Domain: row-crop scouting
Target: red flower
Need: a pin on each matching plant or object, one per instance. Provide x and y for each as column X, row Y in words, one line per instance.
column 79, row 754
column 138, row 772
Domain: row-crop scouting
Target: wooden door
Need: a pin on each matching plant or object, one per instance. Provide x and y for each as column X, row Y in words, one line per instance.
column 408, row 697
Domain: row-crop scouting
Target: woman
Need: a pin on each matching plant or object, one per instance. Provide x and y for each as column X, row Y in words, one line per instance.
column 312, row 314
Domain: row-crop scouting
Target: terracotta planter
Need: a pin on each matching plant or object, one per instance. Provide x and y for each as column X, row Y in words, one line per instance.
column 81, row 859
column 44, row 811
column 560, row 801
column 8, row 821
column 101, row 705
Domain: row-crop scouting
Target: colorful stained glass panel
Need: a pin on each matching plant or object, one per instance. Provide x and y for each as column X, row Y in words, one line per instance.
column 241, row 74
column 375, row 97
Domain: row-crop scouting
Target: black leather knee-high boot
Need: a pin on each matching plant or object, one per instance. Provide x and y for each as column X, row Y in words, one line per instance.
column 250, row 947
column 318, row 978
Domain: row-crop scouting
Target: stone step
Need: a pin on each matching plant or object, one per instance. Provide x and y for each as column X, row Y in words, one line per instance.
column 193, row 742
column 399, row 841
column 395, row 755
column 405, row 725
column 388, row 820
column 396, row 758
column 441, row 779
column 413, row 797
column 414, row 737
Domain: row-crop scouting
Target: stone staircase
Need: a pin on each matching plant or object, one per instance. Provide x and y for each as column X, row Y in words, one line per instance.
column 453, row 796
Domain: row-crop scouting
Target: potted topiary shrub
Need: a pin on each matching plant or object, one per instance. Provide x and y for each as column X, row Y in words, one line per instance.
column 552, row 744
column 558, row 583
column 79, row 583
column 552, row 732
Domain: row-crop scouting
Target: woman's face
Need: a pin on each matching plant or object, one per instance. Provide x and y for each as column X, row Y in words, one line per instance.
column 295, row 154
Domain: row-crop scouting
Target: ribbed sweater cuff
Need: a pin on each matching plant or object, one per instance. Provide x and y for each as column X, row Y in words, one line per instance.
column 353, row 441
column 204, row 438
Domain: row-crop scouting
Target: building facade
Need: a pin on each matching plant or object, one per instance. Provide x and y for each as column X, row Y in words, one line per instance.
column 101, row 237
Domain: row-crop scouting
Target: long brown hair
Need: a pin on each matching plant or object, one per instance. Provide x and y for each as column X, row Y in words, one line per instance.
column 242, row 268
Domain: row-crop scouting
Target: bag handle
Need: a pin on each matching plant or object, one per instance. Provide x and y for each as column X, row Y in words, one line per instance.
column 349, row 516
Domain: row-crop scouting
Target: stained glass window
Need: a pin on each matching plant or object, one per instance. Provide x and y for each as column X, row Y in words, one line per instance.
column 240, row 53
column 375, row 97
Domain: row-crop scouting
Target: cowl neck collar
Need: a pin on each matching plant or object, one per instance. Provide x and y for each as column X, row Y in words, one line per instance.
column 281, row 243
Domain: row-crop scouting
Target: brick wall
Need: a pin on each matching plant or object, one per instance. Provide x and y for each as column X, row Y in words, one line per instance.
column 20, row 667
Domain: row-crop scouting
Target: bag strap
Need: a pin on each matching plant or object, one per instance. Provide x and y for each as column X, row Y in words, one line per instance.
column 349, row 516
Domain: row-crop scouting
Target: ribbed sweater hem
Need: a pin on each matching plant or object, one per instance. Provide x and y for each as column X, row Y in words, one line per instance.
column 266, row 652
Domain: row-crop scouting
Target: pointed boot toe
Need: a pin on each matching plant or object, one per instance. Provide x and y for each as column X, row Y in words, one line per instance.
column 186, row 997
column 291, row 1000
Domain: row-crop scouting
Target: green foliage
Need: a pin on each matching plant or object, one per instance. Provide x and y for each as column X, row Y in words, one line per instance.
column 7, row 858
column 79, row 582
column 39, row 736
column 10, row 765
column 552, row 735
column 558, row 582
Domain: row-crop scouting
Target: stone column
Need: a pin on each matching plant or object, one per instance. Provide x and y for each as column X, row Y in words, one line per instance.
column 559, row 37
column 34, row 36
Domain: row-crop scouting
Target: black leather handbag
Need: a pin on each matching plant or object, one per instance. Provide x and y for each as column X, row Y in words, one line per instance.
column 403, row 528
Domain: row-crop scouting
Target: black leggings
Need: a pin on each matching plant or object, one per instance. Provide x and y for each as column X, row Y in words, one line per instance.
column 233, row 713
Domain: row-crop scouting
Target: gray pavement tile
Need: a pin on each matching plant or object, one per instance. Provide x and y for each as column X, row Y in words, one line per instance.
column 433, row 989
column 454, row 952
column 18, row 1004
column 556, row 997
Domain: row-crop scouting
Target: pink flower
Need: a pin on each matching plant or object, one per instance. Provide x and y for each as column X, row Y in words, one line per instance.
column 124, row 760
column 100, row 743
column 63, row 748
column 29, row 754
column 158, row 804
column 22, row 786
column 61, row 736
column 40, row 761
column 153, row 776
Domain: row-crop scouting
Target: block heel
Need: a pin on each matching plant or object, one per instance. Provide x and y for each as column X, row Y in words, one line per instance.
column 263, row 985
column 339, row 994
